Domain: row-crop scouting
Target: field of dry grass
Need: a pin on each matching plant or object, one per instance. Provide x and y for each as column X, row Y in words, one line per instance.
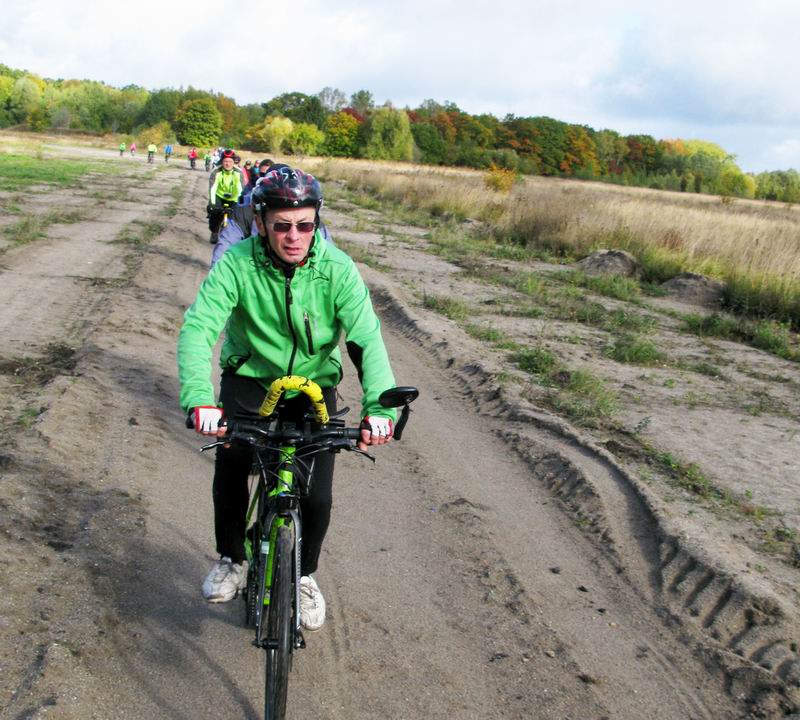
column 754, row 247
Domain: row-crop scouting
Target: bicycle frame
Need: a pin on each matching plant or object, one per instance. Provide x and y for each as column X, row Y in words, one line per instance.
column 282, row 504
column 281, row 501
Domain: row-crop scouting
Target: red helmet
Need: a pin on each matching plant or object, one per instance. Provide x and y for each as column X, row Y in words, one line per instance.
column 284, row 188
column 228, row 154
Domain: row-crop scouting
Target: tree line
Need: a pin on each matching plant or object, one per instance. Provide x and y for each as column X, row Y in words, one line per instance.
column 331, row 123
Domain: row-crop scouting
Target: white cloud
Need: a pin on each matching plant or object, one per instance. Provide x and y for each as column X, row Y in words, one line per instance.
column 785, row 154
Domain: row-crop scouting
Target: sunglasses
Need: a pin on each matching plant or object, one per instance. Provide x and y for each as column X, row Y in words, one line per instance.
column 302, row 227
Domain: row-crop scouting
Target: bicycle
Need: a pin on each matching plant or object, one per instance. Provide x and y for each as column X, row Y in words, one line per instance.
column 272, row 591
column 192, row 162
column 151, row 157
column 208, row 164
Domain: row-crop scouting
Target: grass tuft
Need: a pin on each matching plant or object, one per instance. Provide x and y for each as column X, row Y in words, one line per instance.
column 449, row 307
column 635, row 350
column 769, row 335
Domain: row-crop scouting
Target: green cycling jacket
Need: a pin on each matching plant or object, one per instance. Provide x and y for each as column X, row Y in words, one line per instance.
column 276, row 324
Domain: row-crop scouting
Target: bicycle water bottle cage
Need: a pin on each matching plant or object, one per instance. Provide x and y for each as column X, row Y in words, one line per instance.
column 298, row 384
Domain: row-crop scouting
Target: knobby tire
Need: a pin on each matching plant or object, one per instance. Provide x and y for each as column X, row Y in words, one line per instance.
column 279, row 627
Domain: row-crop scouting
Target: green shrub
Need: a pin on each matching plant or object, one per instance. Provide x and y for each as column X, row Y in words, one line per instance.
column 633, row 321
column 486, row 334
column 615, row 286
column 715, row 325
column 635, row 350
column 771, row 336
column 590, row 313
column 762, row 295
column 537, row 360
column 588, row 398
column 450, row 308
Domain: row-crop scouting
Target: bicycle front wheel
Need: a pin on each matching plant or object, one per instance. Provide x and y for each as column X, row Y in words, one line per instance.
column 279, row 627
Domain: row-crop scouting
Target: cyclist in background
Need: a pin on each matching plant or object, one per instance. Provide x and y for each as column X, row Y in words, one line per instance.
column 152, row 149
column 213, row 176
column 248, row 173
column 242, row 225
column 167, row 152
column 284, row 298
column 192, row 157
column 133, row 149
column 121, row 149
column 225, row 191
column 207, row 160
column 237, row 165
column 263, row 168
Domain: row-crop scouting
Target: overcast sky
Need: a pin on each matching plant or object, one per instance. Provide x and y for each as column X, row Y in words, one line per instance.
column 721, row 71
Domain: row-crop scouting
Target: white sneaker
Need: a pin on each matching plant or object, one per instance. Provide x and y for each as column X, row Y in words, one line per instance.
column 224, row 581
column 312, row 604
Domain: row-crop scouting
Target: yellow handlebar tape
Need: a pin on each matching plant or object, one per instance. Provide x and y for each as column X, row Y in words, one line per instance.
column 301, row 384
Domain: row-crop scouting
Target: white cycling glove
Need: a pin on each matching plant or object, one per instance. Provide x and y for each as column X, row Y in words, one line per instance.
column 207, row 419
column 378, row 426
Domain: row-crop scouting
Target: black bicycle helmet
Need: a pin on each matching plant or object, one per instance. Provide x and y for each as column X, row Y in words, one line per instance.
column 284, row 187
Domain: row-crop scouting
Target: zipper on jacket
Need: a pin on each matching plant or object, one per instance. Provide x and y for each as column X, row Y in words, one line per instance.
column 287, row 286
column 308, row 333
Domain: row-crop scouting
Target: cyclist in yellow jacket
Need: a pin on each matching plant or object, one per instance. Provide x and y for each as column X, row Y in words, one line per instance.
column 225, row 191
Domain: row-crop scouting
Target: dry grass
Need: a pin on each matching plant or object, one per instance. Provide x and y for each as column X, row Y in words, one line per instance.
column 753, row 246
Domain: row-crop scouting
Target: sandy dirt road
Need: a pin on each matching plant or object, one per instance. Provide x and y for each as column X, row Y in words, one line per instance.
column 456, row 585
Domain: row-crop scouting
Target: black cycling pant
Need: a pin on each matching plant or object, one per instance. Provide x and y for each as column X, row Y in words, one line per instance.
column 231, row 492
column 215, row 213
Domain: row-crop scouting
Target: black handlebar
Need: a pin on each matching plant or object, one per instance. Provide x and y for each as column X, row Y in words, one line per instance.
column 250, row 428
column 298, row 436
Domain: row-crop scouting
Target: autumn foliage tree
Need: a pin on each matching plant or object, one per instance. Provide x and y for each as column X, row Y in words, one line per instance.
column 341, row 135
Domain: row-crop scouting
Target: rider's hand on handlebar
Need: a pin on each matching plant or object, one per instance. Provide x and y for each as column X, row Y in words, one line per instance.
column 209, row 420
column 375, row 430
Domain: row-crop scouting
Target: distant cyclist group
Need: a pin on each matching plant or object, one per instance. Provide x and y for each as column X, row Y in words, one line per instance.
column 152, row 150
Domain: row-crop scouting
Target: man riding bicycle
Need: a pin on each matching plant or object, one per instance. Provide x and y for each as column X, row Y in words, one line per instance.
column 167, row 152
column 284, row 298
column 226, row 187
column 152, row 149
